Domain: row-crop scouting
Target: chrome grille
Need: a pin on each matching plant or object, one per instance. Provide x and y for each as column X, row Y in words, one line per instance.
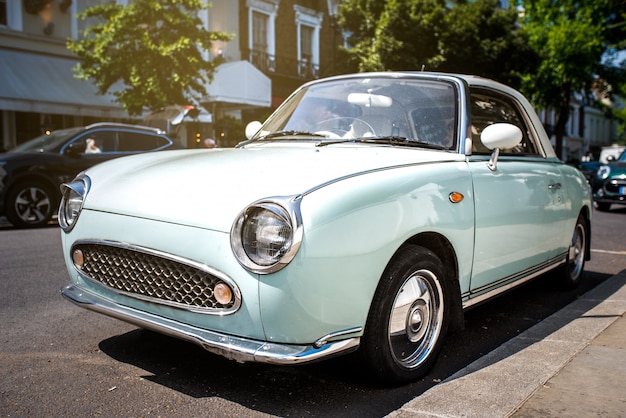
column 153, row 277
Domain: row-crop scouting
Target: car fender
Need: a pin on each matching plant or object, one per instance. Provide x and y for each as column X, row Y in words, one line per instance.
column 352, row 229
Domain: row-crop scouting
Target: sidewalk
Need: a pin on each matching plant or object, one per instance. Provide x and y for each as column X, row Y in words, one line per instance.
column 572, row 364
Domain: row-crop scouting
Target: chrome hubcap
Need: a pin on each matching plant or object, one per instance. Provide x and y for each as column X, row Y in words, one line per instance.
column 416, row 319
column 32, row 205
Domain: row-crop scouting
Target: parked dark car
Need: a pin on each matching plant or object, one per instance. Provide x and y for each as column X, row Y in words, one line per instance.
column 31, row 173
column 589, row 169
column 609, row 183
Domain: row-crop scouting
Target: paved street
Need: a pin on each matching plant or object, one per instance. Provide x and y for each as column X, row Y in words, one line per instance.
column 56, row 359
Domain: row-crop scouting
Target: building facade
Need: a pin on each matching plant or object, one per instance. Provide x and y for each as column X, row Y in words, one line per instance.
column 288, row 42
column 588, row 130
column 278, row 45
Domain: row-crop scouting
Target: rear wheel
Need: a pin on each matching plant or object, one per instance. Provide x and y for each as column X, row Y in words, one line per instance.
column 30, row 204
column 571, row 272
column 408, row 318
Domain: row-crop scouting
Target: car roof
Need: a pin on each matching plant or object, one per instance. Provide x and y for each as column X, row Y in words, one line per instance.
column 116, row 125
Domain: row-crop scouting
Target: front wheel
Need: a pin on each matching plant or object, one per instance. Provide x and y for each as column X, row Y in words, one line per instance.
column 30, row 204
column 408, row 318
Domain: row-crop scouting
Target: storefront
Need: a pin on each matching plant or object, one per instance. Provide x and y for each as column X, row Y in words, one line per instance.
column 39, row 92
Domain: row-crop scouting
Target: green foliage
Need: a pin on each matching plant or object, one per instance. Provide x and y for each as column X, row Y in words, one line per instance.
column 557, row 48
column 571, row 38
column 482, row 38
column 147, row 54
column 569, row 41
column 471, row 37
column 392, row 35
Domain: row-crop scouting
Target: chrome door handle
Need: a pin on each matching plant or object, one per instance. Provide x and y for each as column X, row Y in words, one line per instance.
column 554, row 186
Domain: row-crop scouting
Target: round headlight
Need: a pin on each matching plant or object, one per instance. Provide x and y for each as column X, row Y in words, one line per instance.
column 266, row 236
column 73, row 196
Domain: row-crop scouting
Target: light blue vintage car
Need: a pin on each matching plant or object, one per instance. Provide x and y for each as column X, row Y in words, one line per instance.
column 368, row 212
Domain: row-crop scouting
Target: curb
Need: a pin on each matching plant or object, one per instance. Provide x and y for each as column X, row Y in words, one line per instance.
column 499, row 383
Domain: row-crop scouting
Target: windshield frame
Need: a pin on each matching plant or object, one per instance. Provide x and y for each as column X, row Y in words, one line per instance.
column 452, row 89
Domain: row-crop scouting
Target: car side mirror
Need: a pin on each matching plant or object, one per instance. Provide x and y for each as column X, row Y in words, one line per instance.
column 500, row 136
column 252, row 128
column 610, row 158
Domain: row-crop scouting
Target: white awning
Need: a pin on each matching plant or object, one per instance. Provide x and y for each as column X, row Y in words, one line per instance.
column 46, row 84
column 241, row 84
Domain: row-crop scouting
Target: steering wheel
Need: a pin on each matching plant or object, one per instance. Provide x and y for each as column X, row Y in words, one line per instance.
column 335, row 129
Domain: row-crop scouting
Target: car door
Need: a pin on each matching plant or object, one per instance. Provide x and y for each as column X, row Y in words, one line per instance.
column 519, row 208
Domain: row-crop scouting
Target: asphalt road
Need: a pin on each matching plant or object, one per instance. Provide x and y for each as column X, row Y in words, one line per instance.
column 59, row 360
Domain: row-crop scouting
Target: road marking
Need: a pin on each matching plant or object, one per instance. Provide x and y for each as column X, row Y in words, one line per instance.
column 609, row 252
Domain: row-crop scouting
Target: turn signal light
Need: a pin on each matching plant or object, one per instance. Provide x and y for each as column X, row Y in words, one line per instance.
column 223, row 294
column 455, row 197
column 78, row 258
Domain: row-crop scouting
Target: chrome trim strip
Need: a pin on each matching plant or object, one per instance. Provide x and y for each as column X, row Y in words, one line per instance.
column 484, row 293
column 235, row 348
column 324, row 340
column 126, row 246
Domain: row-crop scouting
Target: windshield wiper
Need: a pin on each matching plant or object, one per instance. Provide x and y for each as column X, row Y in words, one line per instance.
column 279, row 134
column 390, row 140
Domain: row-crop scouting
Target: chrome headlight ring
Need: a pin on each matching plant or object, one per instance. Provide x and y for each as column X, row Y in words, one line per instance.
column 267, row 234
column 72, row 199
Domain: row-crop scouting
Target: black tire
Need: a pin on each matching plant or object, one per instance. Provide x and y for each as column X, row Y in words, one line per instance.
column 401, row 344
column 31, row 204
column 571, row 272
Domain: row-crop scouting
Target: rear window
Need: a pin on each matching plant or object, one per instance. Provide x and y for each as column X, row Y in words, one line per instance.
column 137, row 141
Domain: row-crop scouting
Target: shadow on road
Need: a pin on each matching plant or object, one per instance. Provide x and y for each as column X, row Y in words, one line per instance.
column 335, row 387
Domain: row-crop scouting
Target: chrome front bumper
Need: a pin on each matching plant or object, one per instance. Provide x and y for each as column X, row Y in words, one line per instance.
column 232, row 347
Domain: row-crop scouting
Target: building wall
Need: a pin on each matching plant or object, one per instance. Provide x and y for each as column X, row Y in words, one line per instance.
column 588, row 130
column 283, row 64
column 42, row 32
column 223, row 16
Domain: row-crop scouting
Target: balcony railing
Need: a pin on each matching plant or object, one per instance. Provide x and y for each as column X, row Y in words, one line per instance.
column 283, row 66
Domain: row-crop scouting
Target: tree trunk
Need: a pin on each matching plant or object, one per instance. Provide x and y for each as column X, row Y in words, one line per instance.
column 561, row 121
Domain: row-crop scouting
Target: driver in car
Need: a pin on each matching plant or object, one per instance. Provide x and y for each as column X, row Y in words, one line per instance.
column 312, row 115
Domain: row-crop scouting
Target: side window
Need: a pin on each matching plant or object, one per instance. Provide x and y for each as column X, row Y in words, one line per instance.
column 136, row 141
column 489, row 108
column 98, row 142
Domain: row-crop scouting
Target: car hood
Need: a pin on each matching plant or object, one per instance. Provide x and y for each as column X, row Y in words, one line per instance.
column 18, row 157
column 617, row 168
column 208, row 188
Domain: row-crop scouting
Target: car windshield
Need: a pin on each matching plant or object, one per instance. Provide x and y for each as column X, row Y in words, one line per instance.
column 47, row 143
column 622, row 157
column 382, row 109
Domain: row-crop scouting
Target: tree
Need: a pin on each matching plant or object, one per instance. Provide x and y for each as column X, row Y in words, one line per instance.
column 484, row 39
column 392, row 35
column 571, row 38
column 470, row 37
column 153, row 48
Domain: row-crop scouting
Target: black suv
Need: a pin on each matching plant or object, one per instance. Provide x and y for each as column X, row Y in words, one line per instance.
column 31, row 173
